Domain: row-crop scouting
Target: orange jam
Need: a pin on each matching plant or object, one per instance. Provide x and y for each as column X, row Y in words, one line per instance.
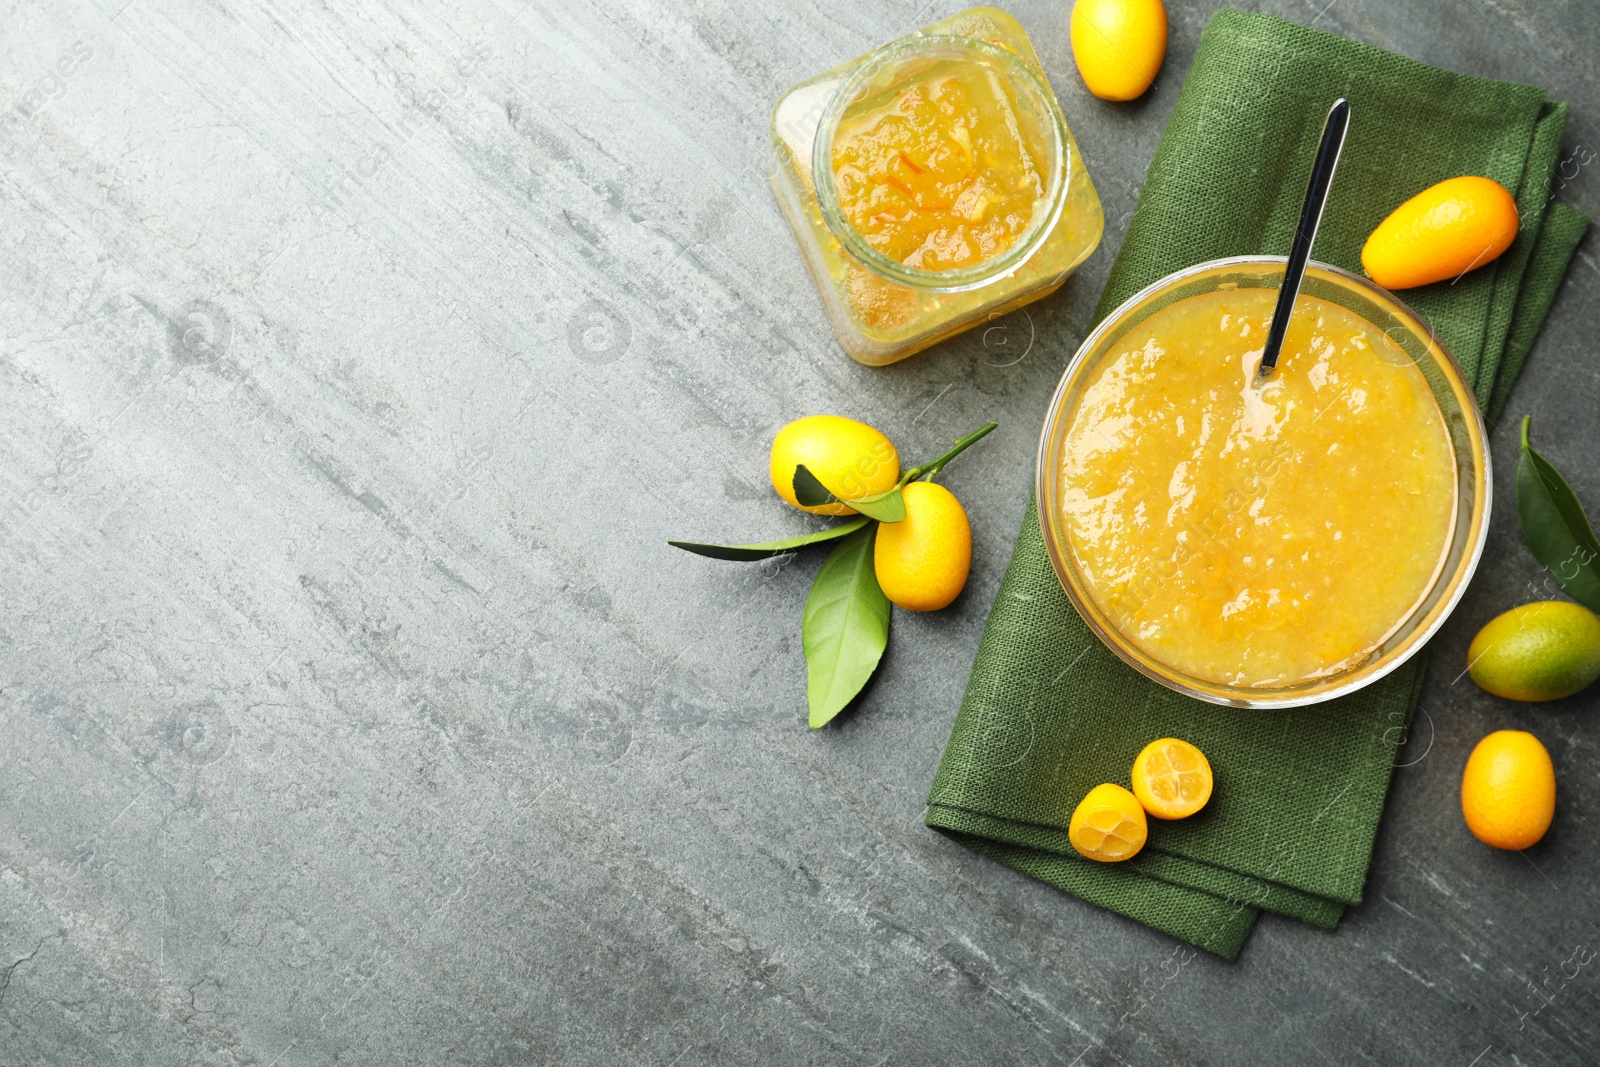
column 937, row 173
column 1248, row 532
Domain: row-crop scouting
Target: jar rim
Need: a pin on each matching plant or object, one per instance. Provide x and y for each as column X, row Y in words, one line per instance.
column 1021, row 73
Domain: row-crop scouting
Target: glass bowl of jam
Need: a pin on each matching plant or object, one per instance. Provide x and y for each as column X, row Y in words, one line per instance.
column 1263, row 541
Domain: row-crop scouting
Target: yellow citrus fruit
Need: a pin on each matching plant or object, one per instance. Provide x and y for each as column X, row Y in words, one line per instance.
column 849, row 457
column 922, row 560
column 1171, row 778
column 1508, row 791
column 1441, row 233
column 1119, row 45
column 1108, row 824
column 1541, row 651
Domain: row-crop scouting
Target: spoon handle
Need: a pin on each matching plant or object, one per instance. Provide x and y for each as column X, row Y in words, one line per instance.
column 1322, row 168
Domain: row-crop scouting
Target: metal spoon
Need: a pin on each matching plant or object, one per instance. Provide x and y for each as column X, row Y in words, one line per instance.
column 1327, row 161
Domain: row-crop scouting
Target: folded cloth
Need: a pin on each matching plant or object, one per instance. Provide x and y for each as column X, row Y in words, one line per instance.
column 1050, row 712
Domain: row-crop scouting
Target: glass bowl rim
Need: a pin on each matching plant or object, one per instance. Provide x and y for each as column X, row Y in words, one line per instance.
column 1338, row 685
column 959, row 279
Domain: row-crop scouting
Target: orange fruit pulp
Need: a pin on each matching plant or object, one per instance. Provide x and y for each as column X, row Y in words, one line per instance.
column 1172, row 778
column 1108, row 825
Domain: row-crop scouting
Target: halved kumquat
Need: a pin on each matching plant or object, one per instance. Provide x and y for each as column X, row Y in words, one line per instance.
column 1172, row 778
column 1108, row 825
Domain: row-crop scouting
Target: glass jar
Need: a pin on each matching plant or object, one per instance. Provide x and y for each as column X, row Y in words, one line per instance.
column 881, row 309
column 1463, row 424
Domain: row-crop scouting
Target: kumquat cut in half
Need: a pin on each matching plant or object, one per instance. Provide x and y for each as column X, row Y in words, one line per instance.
column 1171, row 778
column 1108, row 825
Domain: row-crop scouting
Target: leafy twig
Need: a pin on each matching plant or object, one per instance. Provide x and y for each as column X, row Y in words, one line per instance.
column 928, row 470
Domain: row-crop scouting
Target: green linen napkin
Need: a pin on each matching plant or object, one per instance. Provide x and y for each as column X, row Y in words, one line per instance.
column 1050, row 712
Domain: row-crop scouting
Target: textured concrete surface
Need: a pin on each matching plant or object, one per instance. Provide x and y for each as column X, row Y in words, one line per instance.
column 357, row 361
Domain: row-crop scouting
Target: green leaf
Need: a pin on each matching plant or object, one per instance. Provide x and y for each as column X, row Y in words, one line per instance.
column 810, row 492
column 846, row 627
column 1555, row 526
column 771, row 548
column 885, row 507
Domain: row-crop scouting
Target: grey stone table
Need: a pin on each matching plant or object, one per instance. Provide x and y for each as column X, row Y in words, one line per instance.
column 359, row 359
